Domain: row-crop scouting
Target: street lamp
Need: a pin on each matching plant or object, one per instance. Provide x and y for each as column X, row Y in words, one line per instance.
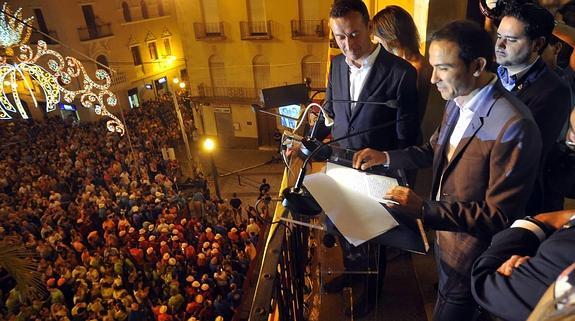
column 209, row 145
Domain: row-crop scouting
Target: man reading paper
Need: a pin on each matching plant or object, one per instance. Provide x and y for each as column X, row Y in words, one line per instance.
column 483, row 155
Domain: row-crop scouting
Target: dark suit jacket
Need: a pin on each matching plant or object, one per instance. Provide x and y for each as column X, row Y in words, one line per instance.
column 487, row 181
column 391, row 80
column 549, row 99
column 513, row 298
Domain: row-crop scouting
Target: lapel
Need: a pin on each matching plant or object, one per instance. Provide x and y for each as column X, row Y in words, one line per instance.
column 530, row 77
column 484, row 105
column 344, row 87
column 373, row 80
column 444, row 133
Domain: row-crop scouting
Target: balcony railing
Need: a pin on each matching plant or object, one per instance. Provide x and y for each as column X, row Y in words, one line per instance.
column 209, row 31
column 119, row 79
column 279, row 292
column 224, row 94
column 256, row 30
column 307, row 29
column 96, row 32
column 35, row 36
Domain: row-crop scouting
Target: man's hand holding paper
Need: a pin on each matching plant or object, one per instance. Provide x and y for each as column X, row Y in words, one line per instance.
column 367, row 158
column 408, row 202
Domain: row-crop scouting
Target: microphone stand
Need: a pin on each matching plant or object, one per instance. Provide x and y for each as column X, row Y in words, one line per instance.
column 297, row 199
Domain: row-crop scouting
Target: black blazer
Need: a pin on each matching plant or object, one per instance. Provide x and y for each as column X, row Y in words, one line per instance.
column 513, row 298
column 549, row 99
column 391, row 80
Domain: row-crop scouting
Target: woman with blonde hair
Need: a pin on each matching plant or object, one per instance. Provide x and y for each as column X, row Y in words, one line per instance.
column 395, row 29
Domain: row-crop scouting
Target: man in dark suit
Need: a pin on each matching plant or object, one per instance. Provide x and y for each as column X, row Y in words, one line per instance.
column 522, row 262
column 483, row 155
column 365, row 72
column 522, row 36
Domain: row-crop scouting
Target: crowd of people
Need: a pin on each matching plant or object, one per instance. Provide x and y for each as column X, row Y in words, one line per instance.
column 113, row 237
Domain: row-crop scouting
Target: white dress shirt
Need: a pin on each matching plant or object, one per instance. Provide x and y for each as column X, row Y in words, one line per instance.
column 357, row 75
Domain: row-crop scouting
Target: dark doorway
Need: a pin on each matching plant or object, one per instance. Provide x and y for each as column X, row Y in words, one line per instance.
column 90, row 19
column 266, row 129
column 40, row 19
column 224, row 126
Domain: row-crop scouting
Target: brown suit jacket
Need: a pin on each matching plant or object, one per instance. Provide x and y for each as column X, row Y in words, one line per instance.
column 487, row 182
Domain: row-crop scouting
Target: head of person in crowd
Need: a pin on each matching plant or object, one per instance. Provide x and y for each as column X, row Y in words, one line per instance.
column 394, row 28
column 567, row 13
column 570, row 137
column 460, row 53
column 551, row 52
column 522, row 35
column 349, row 22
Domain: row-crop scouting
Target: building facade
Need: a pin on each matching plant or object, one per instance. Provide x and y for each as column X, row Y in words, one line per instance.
column 138, row 42
column 236, row 48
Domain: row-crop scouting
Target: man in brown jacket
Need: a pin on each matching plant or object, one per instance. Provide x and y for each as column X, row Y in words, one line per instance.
column 484, row 156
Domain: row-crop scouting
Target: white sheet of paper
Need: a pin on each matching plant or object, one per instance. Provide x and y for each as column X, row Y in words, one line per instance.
column 357, row 216
column 375, row 186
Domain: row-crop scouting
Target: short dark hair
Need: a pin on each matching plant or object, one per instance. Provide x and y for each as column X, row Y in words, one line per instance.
column 342, row 8
column 473, row 41
column 539, row 22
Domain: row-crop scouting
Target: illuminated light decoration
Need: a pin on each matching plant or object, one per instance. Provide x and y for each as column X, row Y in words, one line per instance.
column 53, row 79
column 47, row 82
column 12, row 32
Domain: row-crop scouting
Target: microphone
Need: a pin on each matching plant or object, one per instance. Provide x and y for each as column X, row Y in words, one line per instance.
column 297, row 199
column 311, row 143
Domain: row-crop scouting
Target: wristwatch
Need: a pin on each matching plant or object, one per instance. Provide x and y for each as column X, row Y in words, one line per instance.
column 547, row 229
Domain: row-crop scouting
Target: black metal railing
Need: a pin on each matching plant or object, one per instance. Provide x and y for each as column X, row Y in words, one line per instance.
column 36, row 36
column 256, row 30
column 307, row 29
column 209, row 31
column 95, row 32
column 280, row 285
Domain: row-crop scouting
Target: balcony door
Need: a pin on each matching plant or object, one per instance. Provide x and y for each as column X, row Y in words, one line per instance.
column 90, row 19
column 312, row 68
column 217, row 72
column 40, row 20
column 266, row 123
column 210, row 12
column 257, row 17
column 309, row 10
